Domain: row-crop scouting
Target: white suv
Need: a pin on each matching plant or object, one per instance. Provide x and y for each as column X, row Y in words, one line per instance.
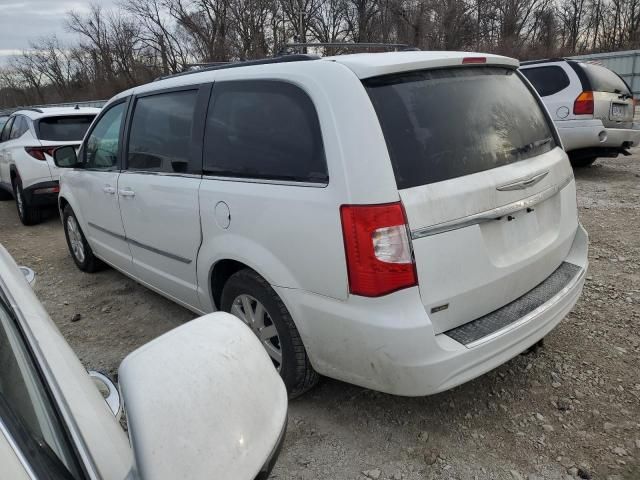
column 592, row 107
column 27, row 141
column 401, row 221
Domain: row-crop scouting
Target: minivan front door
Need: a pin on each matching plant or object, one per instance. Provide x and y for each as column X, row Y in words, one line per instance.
column 95, row 189
column 158, row 192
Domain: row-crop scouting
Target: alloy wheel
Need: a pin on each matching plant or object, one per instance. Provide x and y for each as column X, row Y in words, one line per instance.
column 255, row 315
column 75, row 239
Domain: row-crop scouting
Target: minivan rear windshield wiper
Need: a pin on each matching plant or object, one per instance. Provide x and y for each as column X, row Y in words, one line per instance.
column 530, row 146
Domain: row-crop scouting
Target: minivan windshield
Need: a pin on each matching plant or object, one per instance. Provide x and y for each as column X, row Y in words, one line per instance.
column 64, row 128
column 445, row 123
column 604, row 80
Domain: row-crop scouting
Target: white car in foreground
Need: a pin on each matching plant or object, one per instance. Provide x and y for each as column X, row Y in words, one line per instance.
column 402, row 221
column 202, row 401
column 27, row 141
column 592, row 107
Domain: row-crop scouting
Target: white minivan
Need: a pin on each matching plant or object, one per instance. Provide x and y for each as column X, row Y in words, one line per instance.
column 402, row 221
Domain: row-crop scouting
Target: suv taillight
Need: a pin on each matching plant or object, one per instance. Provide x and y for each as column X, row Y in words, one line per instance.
column 376, row 242
column 38, row 152
column 583, row 104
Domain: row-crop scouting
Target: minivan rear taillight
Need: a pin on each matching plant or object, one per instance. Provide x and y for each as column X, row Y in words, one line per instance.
column 376, row 241
column 583, row 104
column 38, row 152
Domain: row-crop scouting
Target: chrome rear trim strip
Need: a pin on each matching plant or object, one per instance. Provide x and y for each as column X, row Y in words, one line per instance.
column 492, row 214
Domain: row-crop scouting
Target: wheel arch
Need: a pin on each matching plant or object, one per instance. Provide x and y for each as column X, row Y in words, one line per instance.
column 221, row 271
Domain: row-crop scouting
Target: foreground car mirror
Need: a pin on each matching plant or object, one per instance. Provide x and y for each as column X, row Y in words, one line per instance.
column 65, row 157
column 204, row 400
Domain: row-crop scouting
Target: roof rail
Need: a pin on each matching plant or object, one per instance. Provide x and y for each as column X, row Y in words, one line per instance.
column 543, row 60
column 206, row 67
column 31, row 109
column 290, row 48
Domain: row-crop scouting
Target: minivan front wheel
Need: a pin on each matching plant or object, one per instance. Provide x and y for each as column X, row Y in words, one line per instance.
column 249, row 297
column 78, row 247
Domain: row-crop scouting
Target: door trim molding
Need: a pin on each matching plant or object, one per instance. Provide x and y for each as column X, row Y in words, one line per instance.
column 170, row 255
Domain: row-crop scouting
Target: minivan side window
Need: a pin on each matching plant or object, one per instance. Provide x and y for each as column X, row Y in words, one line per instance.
column 101, row 150
column 263, row 129
column 547, row 80
column 161, row 129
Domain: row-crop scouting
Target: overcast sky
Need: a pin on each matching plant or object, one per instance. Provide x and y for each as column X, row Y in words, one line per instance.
column 22, row 21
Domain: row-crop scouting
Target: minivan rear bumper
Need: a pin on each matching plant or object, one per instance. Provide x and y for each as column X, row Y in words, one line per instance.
column 388, row 344
column 576, row 134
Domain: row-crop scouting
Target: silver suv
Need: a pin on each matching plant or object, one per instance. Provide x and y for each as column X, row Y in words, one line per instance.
column 591, row 106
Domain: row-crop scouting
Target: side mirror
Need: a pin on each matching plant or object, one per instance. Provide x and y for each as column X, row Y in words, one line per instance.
column 204, row 398
column 65, row 157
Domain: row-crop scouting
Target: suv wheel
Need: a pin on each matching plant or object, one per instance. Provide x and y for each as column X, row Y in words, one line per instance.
column 249, row 297
column 78, row 247
column 29, row 215
column 582, row 161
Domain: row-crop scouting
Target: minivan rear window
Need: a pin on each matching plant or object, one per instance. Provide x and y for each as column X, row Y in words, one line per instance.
column 447, row 123
column 604, row 80
column 65, row 128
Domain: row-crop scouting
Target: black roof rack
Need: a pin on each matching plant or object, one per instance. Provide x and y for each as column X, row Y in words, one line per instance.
column 206, row 67
column 544, row 60
column 290, row 48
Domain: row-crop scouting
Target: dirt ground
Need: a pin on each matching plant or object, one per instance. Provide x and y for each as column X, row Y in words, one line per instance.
column 570, row 410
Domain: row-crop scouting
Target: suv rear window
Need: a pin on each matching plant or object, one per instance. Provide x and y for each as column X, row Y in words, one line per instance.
column 446, row 123
column 604, row 80
column 64, row 129
column 547, row 80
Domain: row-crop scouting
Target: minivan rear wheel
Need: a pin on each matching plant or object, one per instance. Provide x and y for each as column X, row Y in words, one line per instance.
column 249, row 297
column 78, row 246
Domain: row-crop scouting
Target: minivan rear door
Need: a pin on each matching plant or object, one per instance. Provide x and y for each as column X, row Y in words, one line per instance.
column 489, row 195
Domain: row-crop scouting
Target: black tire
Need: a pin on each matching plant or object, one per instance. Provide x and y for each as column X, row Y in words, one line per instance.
column 4, row 195
column 582, row 162
column 296, row 370
column 28, row 214
column 88, row 262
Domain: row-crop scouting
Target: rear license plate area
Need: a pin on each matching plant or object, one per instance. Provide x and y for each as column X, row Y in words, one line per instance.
column 618, row 111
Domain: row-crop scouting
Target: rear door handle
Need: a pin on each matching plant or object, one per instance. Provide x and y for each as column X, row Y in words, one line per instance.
column 109, row 189
column 127, row 192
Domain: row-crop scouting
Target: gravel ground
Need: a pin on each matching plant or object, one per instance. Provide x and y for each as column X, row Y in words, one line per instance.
column 569, row 410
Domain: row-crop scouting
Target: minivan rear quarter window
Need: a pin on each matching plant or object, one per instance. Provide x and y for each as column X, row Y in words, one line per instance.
column 445, row 123
column 604, row 80
column 263, row 129
column 65, row 128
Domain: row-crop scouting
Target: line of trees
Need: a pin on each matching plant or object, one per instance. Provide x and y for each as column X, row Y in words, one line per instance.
column 144, row 39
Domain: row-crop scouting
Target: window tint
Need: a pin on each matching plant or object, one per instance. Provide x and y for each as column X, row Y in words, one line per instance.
column 547, row 80
column 3, row 120
column 604, row 80
column 20, row 126
column 160, row 138
column 446, row 123
column 263, row 129
column 6, row 130
column 26, row 409
column 64, row 129
column 101, row 150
